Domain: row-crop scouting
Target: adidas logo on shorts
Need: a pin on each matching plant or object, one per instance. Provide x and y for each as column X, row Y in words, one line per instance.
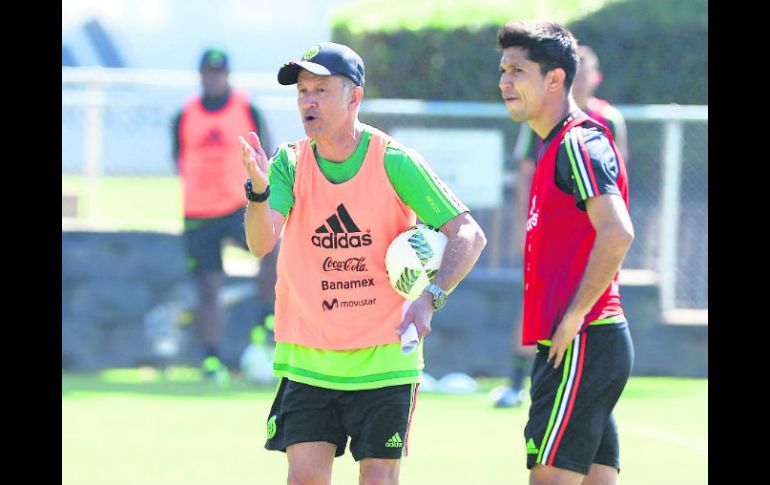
column 394, row 441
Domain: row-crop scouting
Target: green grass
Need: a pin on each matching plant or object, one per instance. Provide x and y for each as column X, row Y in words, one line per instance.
column 135, row 204
column 128, row 203
column 135, row 427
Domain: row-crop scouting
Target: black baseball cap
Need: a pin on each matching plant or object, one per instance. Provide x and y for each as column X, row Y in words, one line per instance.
column 325, row 59
column 214, row 59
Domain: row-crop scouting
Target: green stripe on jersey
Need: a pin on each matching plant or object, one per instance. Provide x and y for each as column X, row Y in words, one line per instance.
column 366, row 368
column 609, row 320
column 575, row 171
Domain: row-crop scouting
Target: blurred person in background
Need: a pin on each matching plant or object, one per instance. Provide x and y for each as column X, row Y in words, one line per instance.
column 206, row 155
column 340, row 196
column 578, row 232
column 528, row 146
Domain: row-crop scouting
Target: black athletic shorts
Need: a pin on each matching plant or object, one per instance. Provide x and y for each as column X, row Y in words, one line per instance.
column 204, row 237
column 570, row 422
column 376, row 420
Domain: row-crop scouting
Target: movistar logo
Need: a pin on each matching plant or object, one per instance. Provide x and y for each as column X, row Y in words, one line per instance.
column 312, row 52
column 340, row 230
column 394, row 441
column 531, row 448
column 331, row 305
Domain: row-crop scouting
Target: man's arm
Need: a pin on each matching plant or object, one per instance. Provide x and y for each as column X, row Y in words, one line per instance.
column 465, row 242
column 263, row 225
column 614, row 235
column 437, row 206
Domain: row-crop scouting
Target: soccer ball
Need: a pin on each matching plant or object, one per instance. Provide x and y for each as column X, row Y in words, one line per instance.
column 413, row 258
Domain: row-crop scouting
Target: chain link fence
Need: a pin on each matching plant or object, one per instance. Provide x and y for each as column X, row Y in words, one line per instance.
column 117, row 164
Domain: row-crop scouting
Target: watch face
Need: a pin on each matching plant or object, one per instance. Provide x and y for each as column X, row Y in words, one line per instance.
column 438, row 305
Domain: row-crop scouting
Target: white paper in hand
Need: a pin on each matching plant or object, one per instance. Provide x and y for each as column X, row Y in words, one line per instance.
column 409, row 339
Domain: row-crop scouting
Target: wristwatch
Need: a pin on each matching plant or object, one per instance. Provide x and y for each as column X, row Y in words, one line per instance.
column 256, row 197
column 439, row 296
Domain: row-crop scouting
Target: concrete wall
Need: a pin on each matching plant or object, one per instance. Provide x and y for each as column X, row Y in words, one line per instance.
column 474, row 329
column 111, row 281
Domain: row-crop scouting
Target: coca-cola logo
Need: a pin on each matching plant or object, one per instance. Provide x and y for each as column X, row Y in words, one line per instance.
column 350, row 264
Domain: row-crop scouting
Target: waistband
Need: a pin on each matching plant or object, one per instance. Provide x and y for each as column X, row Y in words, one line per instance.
column 613, row 322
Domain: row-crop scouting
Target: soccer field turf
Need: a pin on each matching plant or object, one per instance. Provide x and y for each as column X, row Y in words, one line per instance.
column 133, row 427
column 128, row 203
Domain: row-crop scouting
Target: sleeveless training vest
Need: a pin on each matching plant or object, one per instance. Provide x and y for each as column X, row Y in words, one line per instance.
column 210, row 158
column 558, row 242
column 332, row 291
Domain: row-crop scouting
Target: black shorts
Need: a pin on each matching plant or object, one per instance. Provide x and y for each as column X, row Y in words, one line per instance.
column 570, row 421
column 204, row 237
column 376, row 420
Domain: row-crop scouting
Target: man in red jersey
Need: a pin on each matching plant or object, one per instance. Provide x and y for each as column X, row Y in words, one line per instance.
column 578, row 231
column 205, row 147
column 587, row 79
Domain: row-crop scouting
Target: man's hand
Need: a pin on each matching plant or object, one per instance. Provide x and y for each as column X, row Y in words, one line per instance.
column 563, row 337
column 255, row 161
column 420, row 312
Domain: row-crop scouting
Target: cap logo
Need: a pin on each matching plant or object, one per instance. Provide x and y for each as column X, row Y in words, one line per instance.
column 312, row 52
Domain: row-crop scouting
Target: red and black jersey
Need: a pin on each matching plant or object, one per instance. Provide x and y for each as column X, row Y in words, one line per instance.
column 560, row 235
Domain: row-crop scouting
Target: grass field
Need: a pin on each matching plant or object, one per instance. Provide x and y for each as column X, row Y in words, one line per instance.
column 128, row 203
column 137, row 427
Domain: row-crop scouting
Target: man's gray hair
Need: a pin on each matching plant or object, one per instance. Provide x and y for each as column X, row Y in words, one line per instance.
column 347, row 85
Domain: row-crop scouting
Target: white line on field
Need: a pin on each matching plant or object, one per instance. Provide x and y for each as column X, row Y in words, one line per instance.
column 662, row 434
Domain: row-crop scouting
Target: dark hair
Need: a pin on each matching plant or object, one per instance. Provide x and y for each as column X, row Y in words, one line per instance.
column 549, row 44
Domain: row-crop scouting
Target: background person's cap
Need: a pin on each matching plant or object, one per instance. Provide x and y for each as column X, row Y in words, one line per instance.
column 325, row 59
column 214, row 59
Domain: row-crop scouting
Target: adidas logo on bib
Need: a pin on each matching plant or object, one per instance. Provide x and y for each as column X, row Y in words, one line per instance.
column 340, row 232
